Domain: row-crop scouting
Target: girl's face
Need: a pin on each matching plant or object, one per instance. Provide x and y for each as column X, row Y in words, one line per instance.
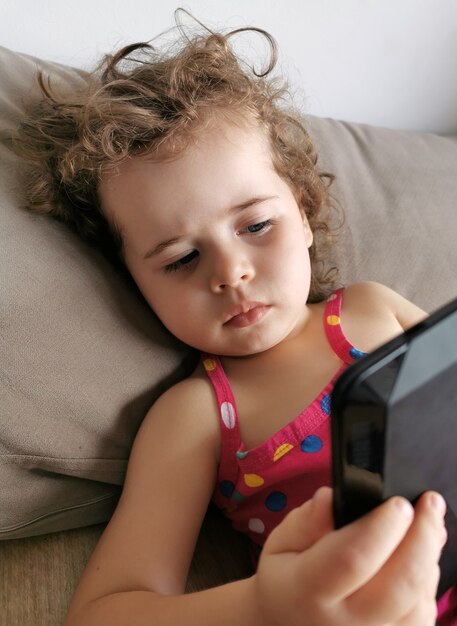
column 215, row 241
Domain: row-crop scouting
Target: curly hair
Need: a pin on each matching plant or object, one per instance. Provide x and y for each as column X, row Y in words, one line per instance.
column 141, row 99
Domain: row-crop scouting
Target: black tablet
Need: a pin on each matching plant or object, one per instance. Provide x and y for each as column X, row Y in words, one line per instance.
column 394, row 426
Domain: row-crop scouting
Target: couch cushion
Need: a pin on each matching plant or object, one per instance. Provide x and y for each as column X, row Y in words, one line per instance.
column 83, row 357
column 398, row 191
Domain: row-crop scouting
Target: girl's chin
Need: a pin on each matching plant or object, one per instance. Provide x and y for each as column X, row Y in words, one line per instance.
column 244, row 349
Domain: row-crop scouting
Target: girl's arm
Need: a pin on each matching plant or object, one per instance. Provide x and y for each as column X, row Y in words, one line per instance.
column 381, row 569
column 142, row 559
column 406, row 313
column 372, row 314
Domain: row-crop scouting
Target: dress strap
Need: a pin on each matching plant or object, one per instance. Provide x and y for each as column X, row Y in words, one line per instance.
column 228, row 416
column 334, row 331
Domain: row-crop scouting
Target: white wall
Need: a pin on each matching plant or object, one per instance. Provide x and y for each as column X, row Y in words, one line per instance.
column 385, row 62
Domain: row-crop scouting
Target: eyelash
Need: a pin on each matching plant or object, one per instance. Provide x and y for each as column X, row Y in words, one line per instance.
column 185, row 261
column 182, row 262
column 265, row 225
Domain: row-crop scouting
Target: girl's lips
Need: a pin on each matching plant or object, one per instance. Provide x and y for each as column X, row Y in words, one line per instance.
column 248, row 314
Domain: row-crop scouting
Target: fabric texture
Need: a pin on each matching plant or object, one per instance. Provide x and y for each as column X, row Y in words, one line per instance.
column 398, row 193
column 256, row 488
column 82, row 356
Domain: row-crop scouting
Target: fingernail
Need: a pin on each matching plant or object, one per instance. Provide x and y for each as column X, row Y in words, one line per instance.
column 437, row 501
column 404, row 506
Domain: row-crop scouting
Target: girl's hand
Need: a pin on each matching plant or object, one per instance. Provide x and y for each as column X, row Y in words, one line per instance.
column 380, row 570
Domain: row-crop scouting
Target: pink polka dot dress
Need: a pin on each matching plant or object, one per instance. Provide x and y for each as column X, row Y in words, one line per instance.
column 256, row 488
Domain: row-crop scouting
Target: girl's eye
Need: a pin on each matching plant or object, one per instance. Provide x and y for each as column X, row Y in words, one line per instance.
column 181, row 263
column 258, row 228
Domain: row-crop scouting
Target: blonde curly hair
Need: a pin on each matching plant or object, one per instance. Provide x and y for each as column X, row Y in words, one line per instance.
column 141, row 99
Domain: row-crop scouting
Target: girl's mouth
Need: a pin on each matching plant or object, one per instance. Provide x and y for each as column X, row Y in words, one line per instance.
column 246, row 314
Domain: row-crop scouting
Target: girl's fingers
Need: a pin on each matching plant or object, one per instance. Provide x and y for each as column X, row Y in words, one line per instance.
column 344, row 561
column 304, row 525
column 424, row 614
column 412, row 570
column 379, row 569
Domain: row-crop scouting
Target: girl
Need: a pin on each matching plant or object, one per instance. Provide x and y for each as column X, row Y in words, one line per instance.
column 188, row 171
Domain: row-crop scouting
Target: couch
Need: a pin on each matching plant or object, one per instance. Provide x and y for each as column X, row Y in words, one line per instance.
column 83, row 358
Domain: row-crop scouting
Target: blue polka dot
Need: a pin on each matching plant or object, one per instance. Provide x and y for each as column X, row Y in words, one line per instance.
column 356, row 354
column 226, row 488
column 326, row 404
column 238, row 496
column 276, row 501
column 241, row 455
column 311, row 444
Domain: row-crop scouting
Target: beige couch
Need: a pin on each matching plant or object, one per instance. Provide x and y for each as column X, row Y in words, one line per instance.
column 82, row 357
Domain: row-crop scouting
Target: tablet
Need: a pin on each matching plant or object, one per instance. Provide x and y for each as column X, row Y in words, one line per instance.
column 394, row 426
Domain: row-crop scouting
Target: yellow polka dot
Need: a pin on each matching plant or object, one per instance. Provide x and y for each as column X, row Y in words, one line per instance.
column 282, row 450
column 209, row 364
column 333, row 320
column 253, row 480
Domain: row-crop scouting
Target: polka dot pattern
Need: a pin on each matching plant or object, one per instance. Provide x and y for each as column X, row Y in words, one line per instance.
column 276, row 501
column 334, row 332
column 311, row 444
column 356, row 354
column 253, row 480
column 256, row 525
column 209, row 365
column 257, row 487
column 228, row 415
column 333, row 320
column 282, row 450
column 226, row 487
column 326, row 404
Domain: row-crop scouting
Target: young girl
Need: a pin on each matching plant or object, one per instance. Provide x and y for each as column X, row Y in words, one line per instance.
column 188, row 170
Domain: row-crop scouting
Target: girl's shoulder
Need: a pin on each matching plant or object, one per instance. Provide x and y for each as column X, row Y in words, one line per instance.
column 187, row 409
column 170, row 478
column 189, row 396
column 373, row 313
column 373, row 296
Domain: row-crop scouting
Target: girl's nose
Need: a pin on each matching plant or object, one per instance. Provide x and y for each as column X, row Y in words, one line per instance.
column 230, row 272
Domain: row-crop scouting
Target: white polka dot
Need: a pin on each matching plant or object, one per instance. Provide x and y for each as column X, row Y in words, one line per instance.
column 228, row 414
column 256, row 525
column 332, row 297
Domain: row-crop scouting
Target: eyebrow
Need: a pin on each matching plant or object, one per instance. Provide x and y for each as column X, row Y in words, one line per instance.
column 237, row 207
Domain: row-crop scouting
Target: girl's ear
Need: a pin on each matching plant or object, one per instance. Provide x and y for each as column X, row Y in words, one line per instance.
column 307, row 228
